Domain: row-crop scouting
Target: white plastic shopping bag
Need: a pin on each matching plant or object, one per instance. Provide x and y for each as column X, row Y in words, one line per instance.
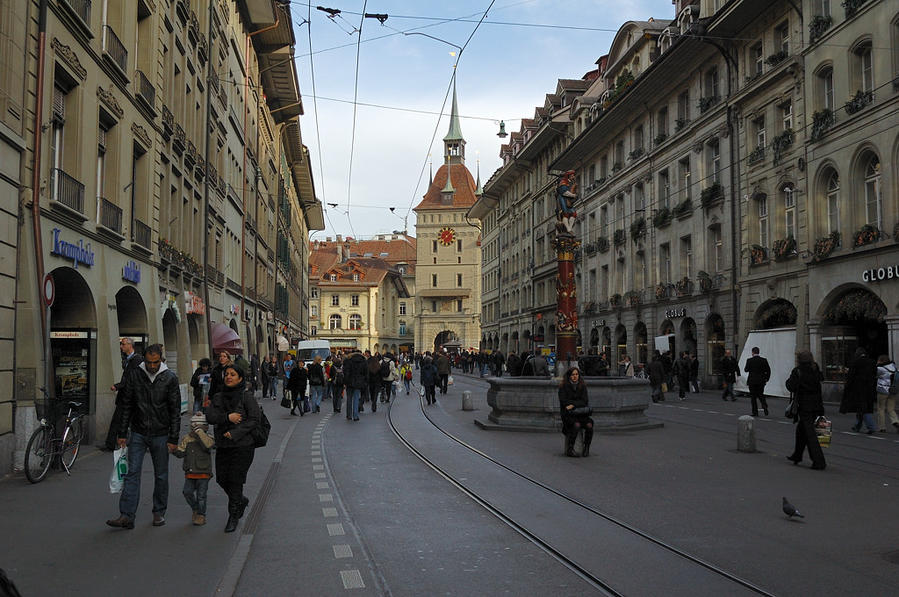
column 449, row 380
column 119, row 469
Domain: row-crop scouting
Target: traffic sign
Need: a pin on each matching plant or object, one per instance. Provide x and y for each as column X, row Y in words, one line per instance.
column 49, row 290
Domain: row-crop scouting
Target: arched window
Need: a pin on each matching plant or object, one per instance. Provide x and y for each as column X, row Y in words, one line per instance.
column 335, row 322
column 789, row 205
column 825, row 88
column 872, row 191
column 833, row 202
column 862, row 67
column 355, row 321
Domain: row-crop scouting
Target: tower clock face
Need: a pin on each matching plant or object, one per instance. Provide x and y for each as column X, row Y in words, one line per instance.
column 446, row 235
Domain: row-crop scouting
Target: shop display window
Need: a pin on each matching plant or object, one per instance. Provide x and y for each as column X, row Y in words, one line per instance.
column 837, row 353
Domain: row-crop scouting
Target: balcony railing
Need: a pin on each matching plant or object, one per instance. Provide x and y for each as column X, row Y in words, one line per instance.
column 66, row 190
column 178, row 140
column 145, row 90
column 82, row 8
column 114, row 47
column 110, row 215
column 142, row 234
column 168, row 122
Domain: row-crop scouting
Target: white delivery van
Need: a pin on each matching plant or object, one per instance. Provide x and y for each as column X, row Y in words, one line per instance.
column 307, row 350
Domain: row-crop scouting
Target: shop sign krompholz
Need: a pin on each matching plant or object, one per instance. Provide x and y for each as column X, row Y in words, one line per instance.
column 80, row 253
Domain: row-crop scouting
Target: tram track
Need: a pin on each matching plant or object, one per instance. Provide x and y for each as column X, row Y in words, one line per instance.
column 585, row 571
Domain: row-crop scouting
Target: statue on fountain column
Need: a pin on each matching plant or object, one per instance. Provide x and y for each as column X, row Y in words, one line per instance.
column 566, row 196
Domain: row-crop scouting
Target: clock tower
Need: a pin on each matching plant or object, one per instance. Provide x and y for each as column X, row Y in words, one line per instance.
column 448, row 268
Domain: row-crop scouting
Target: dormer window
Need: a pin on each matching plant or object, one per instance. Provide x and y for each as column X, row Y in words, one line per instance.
column 333, row 277
column 355, row 277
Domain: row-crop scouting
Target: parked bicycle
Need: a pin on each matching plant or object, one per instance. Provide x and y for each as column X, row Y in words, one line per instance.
column 46, row 447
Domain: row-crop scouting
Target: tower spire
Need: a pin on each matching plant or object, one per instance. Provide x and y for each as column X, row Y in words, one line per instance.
column 454, row 142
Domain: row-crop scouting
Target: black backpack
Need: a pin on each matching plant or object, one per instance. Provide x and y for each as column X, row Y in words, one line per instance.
column 260, row 432
column 385, row 369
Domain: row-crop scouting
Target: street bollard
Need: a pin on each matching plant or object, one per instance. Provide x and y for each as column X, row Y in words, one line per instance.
column 466, row 401
column 746, row 434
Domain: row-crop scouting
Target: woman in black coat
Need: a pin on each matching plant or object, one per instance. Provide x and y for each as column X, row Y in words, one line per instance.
column 574, row 405
column 235, row 414
column 860, row 391
column 805, row 384
column 296, row 385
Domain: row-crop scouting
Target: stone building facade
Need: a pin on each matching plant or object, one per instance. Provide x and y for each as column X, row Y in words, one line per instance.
column 161, row 134
column 13, row 186
column 727, row 188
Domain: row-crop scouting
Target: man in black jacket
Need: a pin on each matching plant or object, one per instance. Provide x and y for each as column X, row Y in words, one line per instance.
column 130, row 361
column 759, row 373
column 152, row 408
column 730, row 369
column 682, row 372
column 355, row 376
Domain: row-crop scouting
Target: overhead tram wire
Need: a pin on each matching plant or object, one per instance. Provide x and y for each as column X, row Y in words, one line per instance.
column 349, row 185
column 445, row 98
column 742, row 161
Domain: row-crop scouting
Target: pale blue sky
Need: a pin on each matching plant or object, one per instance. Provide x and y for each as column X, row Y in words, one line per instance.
column 504, row 73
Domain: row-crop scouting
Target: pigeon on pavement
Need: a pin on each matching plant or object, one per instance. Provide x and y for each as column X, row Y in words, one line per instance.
column 790, row 510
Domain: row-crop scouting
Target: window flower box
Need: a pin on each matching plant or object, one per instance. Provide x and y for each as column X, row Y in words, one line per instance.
column 781, row 143
column 632, row 298
column 661, row 291
column 615, row 300
column 819, row 25
column 602, row 244
column 858, row 102
column 776, row 58
column 662, row 217
column 619, row 237
column 683, row 287
column 784, row 248
column 683, row 209
column 825, row 245
column 635, row 154
column 679, row 124
column 711, row 195
column 660, row 138
column 851, row 7
column 638, row 229
column 616, row 167
column 822, row 120
column 707, row 102
column 757, row 255
column 705, row 281
column 756, row 155
column 866, row 235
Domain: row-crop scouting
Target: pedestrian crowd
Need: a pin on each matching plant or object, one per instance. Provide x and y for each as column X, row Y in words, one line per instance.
column 147, row 416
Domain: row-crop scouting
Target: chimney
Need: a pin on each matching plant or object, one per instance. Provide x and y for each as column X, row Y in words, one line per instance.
column 346, row 252
column 339, row 238
column 380, row 237
column 328, row 238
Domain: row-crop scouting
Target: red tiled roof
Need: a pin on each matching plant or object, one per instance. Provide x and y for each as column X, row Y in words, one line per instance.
column 401, row 249
column 463, row 183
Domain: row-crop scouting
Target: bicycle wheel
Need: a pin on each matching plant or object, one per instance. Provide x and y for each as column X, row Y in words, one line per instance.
column 38, row 454
column 71, row 442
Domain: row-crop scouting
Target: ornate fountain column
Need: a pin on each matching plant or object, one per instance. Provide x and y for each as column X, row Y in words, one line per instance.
column 565, row 245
